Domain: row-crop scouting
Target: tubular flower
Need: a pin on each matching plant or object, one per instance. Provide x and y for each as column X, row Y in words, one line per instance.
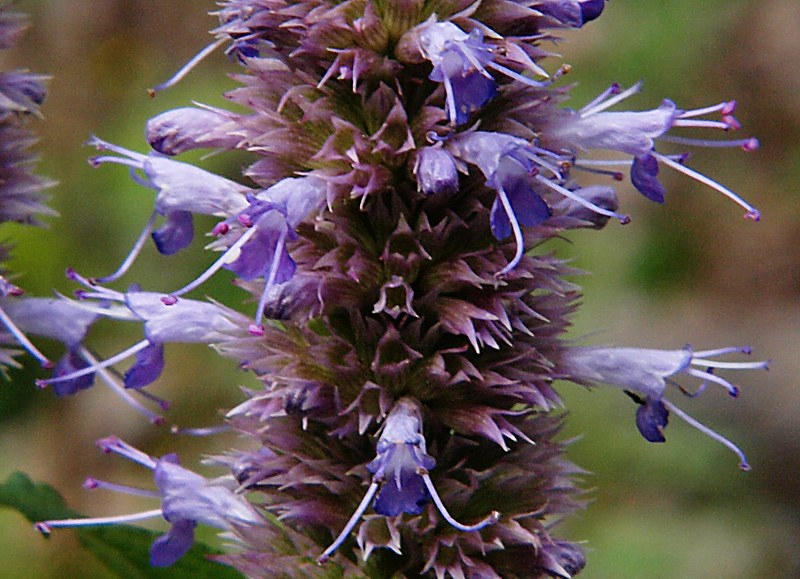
column 186, row 500
column 409, row 159
column 644, row 375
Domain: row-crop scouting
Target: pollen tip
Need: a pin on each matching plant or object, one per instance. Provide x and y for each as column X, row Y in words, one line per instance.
column 151, row 92
column 169, row 300
column 90, row 483
column 745, row 467
column 41, row 383
column 734, row 392
column 48, row 364
column 43, row 528
column 256, row 329
column 321, row 560
column 753, row 214
column 751, row 144
column 624, row 219
column 728, row 108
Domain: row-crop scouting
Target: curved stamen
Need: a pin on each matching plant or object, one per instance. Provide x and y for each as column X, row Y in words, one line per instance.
column 23, row 340
column 512, row 218
column 351, row 523
column 132, row 255
column 490, row 519
column 743, row 464
column 732, row 390
column 752, row 212
column 187, row 68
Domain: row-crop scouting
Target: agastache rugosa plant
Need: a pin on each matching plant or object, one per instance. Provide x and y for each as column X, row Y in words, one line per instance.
column 409, row 160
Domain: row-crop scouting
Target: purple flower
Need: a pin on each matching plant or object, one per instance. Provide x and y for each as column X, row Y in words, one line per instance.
column 400, row 474
column 460, row 63
column 187, row 499
column 644, row 374
column 181, row 190
column 635, row 133
column 573, row 13
column 165, row 320
column 512, row 167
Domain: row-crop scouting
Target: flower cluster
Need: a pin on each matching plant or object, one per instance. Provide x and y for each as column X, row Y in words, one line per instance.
column 409, row 159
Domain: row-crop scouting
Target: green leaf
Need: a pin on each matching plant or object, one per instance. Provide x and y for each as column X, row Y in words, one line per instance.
column 123, row 549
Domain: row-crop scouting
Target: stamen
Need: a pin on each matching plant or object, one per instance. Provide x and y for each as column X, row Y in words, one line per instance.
column 102, row 145
column 96, row 366
column 762, row 365
column 749, row 144
column 490, row 519
column 520, row 77
column 132, row 255
column 187, row 68
column 450, row 100
column 615, row 88
column 703, row 124
column 46, row 527
column 351, row 523
column 205, row 431
column 273, row 272
column 732, row 390
column 517, row 233
column 217, row 265
column 722, row 351
column 23, row 340
column 726, row 108
column 93, row 483
column 743, row 464
column 619, row 97
column 752, row 212
column 623, row 219
column 122, row 448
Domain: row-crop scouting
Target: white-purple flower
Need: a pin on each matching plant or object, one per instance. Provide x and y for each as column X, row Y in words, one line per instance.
column 400, row 474
column 187, row 499
column 645, row 374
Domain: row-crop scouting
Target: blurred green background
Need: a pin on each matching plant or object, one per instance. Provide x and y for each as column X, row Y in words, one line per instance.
column 692, row 271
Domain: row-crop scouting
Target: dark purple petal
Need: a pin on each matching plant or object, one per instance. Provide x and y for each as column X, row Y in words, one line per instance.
column 644, row 176
column 173, row 544
column 403, row 490
column 176, row 233
column 651, row 419
column 147, row 368
column 471, row 91
column 591, row 9
column 69, row 363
